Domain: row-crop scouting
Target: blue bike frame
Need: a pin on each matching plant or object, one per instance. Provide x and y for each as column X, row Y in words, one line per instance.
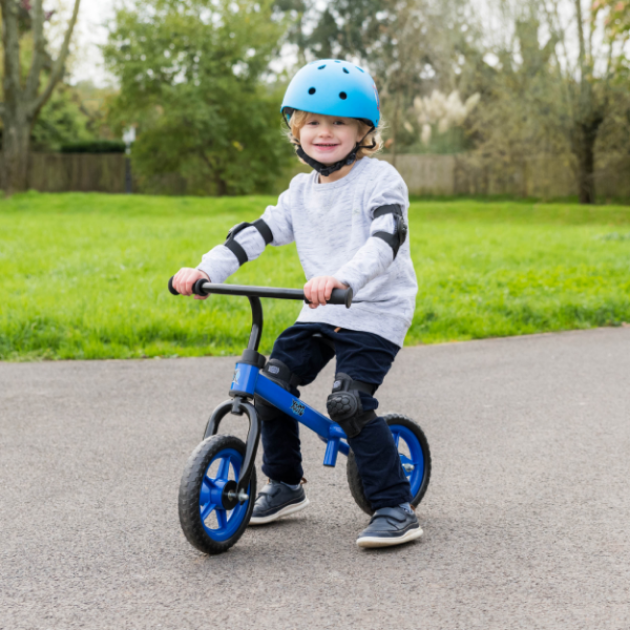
column 249, row 382
column 328, row 430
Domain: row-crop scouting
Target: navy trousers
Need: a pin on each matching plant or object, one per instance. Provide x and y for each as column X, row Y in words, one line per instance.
column 364, row 357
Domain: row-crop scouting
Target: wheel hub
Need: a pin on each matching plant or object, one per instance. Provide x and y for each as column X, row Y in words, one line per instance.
column 229, row 498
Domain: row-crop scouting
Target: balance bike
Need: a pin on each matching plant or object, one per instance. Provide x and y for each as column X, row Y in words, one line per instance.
column 218, row 486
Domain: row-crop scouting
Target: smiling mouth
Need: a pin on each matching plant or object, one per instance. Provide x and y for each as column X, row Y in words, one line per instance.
column 327, row 146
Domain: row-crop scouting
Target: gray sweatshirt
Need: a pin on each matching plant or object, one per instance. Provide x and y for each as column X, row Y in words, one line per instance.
column 332, row 225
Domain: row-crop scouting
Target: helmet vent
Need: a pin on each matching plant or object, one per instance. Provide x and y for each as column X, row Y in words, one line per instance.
column 359, row 69
column 321, row 67
column 337, row 61
column 346, row 70
column 343, row 96
column 312, row 91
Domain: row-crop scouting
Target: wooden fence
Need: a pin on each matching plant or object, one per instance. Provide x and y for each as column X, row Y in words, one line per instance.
column 543, row 177
column 84, row 172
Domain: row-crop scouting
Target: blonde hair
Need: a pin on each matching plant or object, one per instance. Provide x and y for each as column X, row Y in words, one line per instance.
column 298, row 120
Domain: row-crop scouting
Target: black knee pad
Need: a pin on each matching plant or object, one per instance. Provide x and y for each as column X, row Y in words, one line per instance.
column 278, row 372
column 345, row 407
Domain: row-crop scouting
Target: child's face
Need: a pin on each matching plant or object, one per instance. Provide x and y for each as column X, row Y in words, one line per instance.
column 328, row 139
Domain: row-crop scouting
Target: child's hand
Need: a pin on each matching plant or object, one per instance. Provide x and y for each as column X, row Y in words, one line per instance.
column 318, row 290
column 184, row 279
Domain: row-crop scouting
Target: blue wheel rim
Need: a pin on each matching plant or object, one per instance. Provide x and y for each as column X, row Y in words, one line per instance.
column 218, row 523
column 413, row 463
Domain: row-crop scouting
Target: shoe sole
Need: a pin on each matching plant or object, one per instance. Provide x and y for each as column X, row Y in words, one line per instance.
column 285, row 511
column 377, row 541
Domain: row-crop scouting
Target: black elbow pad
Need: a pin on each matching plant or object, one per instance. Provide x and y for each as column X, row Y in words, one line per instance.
column 236, row 249
column 399, row 236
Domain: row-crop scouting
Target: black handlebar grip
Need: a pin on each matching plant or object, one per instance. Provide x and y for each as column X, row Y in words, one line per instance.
column 341, row 296
column 170, row 286
column 197, row 287
column 197, row 290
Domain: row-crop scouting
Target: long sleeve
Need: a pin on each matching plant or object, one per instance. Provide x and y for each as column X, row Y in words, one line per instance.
column 220, row 262
column 375, row 256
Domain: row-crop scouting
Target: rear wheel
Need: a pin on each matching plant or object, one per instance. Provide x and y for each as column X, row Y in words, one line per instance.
column 212, row 518
column 415, row 459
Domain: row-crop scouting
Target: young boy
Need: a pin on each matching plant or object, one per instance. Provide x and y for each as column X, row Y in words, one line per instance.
column 348, row 219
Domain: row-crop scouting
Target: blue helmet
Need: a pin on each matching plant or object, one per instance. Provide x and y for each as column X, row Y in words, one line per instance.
column 334, row 88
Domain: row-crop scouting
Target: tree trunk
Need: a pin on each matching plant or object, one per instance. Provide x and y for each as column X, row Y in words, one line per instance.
column 221, row 185
column 22, row 99
column 15, row 152
column 584, row 150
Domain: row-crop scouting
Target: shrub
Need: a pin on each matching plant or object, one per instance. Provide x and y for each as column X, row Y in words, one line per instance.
column 94, row 146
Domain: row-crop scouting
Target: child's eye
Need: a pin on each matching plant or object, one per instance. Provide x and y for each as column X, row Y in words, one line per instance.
column 339, row 122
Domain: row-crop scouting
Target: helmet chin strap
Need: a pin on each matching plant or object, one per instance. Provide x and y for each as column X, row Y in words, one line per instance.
column 327, row 169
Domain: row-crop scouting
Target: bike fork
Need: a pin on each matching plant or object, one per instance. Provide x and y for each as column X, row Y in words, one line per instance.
column 239, row 406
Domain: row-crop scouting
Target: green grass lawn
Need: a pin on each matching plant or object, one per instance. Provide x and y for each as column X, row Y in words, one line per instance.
column 84, row 275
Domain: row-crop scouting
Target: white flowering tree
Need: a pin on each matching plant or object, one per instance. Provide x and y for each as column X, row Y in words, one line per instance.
column 442, row 112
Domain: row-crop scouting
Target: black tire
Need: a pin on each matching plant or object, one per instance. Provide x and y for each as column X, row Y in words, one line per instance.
column 195, row 486
column 420, row 479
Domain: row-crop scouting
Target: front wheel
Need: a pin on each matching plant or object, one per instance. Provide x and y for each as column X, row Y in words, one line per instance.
column 415, row 459
column 212, row 518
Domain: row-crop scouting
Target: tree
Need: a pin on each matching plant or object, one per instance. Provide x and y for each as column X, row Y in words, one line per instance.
column 550, row 87
column 299, row 13
column 585, row 80
column 74, row 113
column 617, row 15
column 441, row 113
column 517, row 115
column 191, row 75
column 22, row 99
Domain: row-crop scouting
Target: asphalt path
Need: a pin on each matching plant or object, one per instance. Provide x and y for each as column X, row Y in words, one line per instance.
column 526, row 521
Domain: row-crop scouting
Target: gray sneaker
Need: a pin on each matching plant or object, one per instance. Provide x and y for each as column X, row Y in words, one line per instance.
column 390, row 526
column 277, row 500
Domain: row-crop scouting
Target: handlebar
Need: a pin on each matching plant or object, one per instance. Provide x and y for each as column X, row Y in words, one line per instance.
column 204, row 287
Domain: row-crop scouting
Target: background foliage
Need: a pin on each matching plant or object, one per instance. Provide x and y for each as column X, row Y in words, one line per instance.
column 190, row 75
column 202, row 80
column 74, row 112
column 548, row 72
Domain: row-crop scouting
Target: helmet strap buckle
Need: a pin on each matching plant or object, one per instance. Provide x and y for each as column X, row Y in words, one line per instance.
column 328, row 169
